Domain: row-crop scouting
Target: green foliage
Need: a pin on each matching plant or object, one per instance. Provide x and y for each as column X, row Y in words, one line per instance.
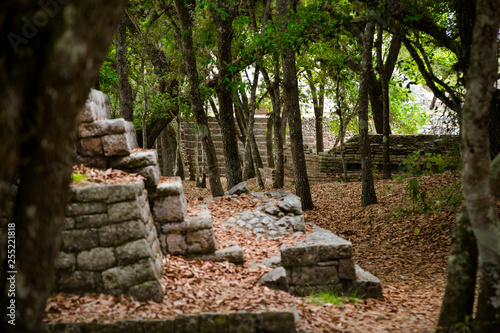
column 417, row 196
column 420, row 163
column 78, row 177
column 332, row 296
column 406, row 116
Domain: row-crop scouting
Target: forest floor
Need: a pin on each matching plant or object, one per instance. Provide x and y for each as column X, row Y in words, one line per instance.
column 404, row 243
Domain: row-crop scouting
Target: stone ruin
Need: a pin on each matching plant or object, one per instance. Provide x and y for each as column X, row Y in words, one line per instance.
column 116, row 234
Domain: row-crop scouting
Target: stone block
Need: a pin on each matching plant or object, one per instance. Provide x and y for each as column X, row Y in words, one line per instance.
column 201, row 220
column 97, row 259
column 91, row 221
column 99, row 162
column 69, row 223
column 291, row 204
column 303, row 276
column 176, row 244
column 367, row 285
column 102, row 127
column 201, row 241
column 85, row 192
column 214, row 322
column 96, row 107
column 346, row 269
column 170, row 209
column 135, row 160
column 242, row 322
column 275, row 279
column 133, row 251
column 79, row 240
column 85, row 208
column 128, row 210
column 124, row 192
column 232, row 254
column 151, row 173
column 124, row 277
column 91, row 147
column 329, row 252
column 150, row 290
column 121, row 233
column 299, row 255
column 80, row 282
column 159, row 326
column 186, row 324
column 327, row 276
column 65, row 261
column 116, row 145
column 170, row 187
column 276, row 322
column 238, row 189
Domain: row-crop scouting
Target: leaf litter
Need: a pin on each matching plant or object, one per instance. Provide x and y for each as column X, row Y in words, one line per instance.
column 411, row 265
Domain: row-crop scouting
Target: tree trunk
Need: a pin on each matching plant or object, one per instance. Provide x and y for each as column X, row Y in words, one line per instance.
column 179, row 163
column 458, row 300
column 341, row 130
column 169, row 140
column 48, row 75
column 480, row 202
column 318, row 98
column 368, row 195
column 145, row 111
column 291, row 97
column 224, row 92
column 269, row 141
column 195, row 98
column 124, row 88
column 384, row 82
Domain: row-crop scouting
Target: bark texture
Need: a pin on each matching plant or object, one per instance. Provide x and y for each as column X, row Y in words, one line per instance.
column 47, row 70
column 291, row 98
column 479, row 199
column 195, row 98
column 124, row 88
column 368, row 195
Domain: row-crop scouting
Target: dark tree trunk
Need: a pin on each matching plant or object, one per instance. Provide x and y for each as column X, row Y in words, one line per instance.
column 368, row 195
column 479, row 199
column 124, row 88
column 48, row 75
column 225, row 91
column 169, row 144
column 269, row 141
column 384, row 83
column 318, row 98
column 195, row 98
column 291, row 97
column 458, row 300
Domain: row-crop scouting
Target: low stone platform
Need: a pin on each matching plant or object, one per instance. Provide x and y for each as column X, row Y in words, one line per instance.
column 109, row 243
column 322, row 262
column 244, row 322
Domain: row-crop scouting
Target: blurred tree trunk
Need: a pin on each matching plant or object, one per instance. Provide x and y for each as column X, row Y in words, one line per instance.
column 46, row 78
column 124, row 88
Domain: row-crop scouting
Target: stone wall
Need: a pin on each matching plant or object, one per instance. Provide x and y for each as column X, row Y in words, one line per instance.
column 244, row 322
column 181, row 234
column 109, row 243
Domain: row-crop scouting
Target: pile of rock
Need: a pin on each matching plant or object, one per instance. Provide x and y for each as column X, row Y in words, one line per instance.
column 322, row 262
column 280, row 214
column 105, row 142
column 109, row 243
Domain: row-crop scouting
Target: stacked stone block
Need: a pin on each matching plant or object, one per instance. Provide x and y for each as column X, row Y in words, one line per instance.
column 109, row 243
column 181, row 234
column 323, row 260
column 144, row 163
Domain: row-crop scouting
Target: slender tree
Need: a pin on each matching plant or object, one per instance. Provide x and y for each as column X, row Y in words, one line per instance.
column 186, row 36
column 291, row 97
column 368, row 195
column 124, row 88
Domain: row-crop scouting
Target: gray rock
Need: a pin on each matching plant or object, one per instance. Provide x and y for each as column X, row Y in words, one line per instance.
column 124, row 277
column 91, row 147
column 91, row 221
column 241, row 223
column 102, row 127
column 299, row 255
column 128, row 210
column 271, row 209
column 232, row 254
column 99, row 162
column 170, row 188
column 151, row 173
column 267, row 220
column 88, row 192
column 272, row 262
column 135, row 160
column 170, row 209
column 201, row 241
column 133, row 251
column 124, row 192
column 346, row 269
column 88, row 208
column 278, row 194
column 273, row 233
column 202, row 220
column 291, row 203
column 231, row 220
column 254, row 221
column 121, row 233
column 116, row 145
column 367, row 285
column 96, row 107
column 150, row 290
column 79, row 240
column 238, row 189
column 97, row 259
column 80, row 282
column 275, row 279
column 176, row 244
column 65, row 261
